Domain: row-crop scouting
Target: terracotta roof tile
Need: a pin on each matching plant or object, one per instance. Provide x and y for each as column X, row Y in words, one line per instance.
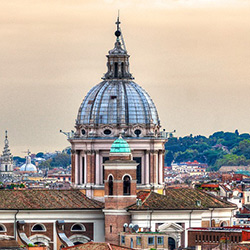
column 178, row 199
column 97, row 246
column 46, row 199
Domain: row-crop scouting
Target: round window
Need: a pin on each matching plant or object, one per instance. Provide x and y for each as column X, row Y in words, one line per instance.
column 137, row 132
column 107, row 131
column 83, row 132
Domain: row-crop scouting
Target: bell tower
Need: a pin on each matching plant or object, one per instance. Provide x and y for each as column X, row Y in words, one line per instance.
column 120, row 188
column 6, row 159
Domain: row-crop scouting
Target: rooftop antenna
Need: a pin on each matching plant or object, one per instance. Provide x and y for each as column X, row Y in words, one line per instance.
column 119, row 29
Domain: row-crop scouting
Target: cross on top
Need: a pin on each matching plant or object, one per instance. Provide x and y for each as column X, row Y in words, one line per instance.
column 118, row 21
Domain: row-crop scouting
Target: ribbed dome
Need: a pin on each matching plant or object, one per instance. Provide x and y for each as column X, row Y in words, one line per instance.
column 117, row 102
column 120, row 146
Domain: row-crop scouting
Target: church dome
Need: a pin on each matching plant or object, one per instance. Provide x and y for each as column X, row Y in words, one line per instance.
column 120, row 146
column 117, row 104
column 28, row 166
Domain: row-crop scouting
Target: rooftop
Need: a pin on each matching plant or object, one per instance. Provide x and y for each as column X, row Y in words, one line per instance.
column 97, row 246
column 46, row 200
column 179, row 199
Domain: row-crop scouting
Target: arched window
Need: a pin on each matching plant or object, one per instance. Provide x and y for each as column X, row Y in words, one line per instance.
column 126, row 185
column 110, row 185
column 2, row 228
column 78, row 227
column 38, row 227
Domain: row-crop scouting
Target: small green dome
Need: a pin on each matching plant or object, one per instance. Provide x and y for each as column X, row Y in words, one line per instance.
column 120, row 146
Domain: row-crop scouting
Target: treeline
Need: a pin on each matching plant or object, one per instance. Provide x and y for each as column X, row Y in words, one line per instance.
column 59, row 160
column 219, row 149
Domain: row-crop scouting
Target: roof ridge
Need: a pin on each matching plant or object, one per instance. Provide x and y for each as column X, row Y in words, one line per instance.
column 214, row 196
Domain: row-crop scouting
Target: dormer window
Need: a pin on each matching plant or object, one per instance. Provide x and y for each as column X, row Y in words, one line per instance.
column 38, row 228
column 2, row 228
column 78, row 227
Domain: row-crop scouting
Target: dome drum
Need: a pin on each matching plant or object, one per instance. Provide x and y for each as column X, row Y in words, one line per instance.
column 112, row 131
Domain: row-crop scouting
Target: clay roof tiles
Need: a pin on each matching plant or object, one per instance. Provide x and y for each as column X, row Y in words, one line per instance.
column 46, row 200
column 179, row 199
column 97, row 246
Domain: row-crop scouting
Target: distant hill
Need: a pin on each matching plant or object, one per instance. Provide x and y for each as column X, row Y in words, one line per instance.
column 219, row 149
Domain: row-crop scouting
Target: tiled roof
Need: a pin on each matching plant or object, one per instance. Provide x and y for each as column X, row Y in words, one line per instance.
column 46, row 200
column 97, row 246
column 179, row 199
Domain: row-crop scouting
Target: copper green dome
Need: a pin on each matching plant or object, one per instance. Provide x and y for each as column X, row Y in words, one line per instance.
column 120, row 146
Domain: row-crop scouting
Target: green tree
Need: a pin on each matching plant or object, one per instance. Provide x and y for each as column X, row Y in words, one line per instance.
column 232, row 160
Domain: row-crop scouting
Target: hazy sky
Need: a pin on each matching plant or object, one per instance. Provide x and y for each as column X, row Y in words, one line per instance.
column 191, row 56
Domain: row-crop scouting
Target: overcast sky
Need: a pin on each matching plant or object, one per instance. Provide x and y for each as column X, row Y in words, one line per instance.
column 191, row 56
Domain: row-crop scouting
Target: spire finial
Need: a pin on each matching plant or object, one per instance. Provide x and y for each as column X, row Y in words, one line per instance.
column 118, row 32
column 6, row 141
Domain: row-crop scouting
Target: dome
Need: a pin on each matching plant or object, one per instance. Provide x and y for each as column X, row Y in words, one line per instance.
column 117, row 105
column 120, row 146
column 117, row 102
column 28, row 166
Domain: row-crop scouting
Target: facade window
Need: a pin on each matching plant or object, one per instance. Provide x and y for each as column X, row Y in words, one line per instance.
column 247, row 198
column 160, row 240
column 203, row 237
column 151, row 240
column 38, row 227
column 218, row 238
column 78, row 227
column 122, row 239
column 110, row 185
column 138, row 240
column 6, row 168
column 196, row 237
column 138, row 169
column 239, row 238
column 210, row 238
column 126, row 185
column 199, row 238
column 232, row 238
column 235, row 238
column 206, row 237
column 214, row 237
column 110, row 229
